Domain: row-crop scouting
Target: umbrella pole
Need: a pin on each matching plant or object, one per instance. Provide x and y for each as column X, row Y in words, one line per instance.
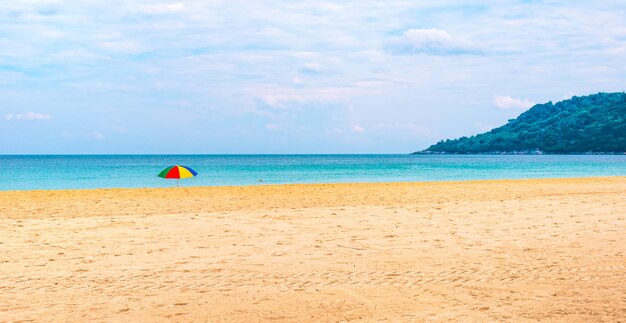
column 177, row 182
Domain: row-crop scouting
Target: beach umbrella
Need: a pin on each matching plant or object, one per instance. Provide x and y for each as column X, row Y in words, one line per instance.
column 177, row 172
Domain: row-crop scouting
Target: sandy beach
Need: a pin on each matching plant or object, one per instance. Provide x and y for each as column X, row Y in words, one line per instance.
column 510, row 250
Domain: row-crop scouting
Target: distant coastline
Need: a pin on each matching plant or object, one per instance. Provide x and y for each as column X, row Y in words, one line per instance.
column 587, row 125
column 526, row 152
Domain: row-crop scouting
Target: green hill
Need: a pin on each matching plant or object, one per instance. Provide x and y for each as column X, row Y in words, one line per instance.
column 588, row 124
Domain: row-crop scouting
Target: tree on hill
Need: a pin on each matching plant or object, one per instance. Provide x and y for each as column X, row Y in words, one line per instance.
column 588, row 124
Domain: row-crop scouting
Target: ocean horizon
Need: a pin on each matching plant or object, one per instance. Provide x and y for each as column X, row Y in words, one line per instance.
column 54, row 172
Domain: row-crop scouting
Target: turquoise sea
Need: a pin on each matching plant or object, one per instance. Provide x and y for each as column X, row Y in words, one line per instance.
column 106, row 171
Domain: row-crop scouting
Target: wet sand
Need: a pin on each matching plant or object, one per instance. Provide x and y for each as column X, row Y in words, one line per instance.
column 514, row 250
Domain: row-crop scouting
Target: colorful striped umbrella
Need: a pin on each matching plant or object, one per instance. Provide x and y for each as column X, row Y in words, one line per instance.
column 177, row 172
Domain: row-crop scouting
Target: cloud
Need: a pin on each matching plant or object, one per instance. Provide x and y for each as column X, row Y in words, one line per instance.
column 316, row 63
column 507, row 102
column 279, row 98
column 271, row 126
column 163, row 8
column 431, row 42
column 121, row 46
column 281, row 101
column 357, row 128
column 333, row 131
column 27, row 116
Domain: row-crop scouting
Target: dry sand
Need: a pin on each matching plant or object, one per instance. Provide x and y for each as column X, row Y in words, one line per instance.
column 551, row 250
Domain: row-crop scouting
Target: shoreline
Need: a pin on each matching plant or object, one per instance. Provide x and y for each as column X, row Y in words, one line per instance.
column 125, row 201
column 318, row 183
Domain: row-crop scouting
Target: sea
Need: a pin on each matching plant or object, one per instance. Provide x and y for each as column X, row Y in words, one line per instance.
column 53, row 172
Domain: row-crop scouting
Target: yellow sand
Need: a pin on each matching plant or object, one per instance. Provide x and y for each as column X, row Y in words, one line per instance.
column 551, row 250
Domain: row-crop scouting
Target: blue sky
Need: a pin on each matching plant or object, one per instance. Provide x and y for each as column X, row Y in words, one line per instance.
column 146, row 76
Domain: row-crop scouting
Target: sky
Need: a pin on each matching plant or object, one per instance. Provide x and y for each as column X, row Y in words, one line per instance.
column 249, row 77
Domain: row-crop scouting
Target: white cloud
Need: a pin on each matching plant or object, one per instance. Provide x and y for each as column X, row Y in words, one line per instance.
column 27, row 116
column 432, row 42
column 279, row 97
column 271, row 126
column 286, row 98
column 507, row 102
column 121, row 46
column 357, row 128
column 333, row 131
column 281, row 101
column 163, row 8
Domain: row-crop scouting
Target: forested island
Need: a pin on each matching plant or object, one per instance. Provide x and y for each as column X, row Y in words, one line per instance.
column 593, row 124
